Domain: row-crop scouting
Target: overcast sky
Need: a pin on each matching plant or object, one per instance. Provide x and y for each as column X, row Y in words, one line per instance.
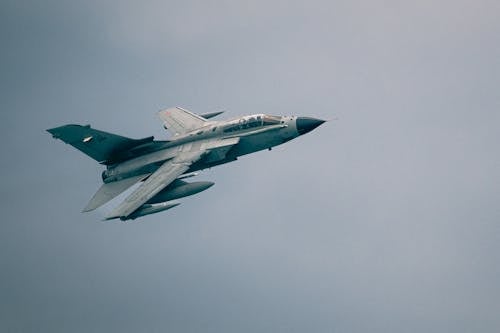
column 385, row 220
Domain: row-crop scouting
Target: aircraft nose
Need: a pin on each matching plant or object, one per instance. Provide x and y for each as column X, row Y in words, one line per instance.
column 307, row 124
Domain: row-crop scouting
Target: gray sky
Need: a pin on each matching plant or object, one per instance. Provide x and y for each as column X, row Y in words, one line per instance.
column 386, row 220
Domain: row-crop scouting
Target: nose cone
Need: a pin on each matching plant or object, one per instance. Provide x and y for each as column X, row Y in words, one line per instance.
column 307, row 124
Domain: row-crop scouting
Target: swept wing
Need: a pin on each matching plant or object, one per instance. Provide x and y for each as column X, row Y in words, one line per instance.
column 180, row 121
column 165, row 175
column 109, row 191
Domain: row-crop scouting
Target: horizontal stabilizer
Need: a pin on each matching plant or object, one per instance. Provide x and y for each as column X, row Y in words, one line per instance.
column 109, row 191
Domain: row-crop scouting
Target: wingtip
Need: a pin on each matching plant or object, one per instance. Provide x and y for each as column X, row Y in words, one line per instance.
column 112, row 216
column 87, row 209
column 53, row 132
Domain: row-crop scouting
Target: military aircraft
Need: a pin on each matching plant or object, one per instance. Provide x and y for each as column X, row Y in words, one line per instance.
column 195, row 143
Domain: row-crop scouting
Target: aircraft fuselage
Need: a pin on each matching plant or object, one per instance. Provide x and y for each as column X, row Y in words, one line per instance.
column 159, row 166
column 255, row 133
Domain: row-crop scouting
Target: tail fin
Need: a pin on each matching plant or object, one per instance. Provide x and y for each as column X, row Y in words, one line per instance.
column 104, row 147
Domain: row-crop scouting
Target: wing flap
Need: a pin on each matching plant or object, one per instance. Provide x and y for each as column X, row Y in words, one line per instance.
column 109, row 191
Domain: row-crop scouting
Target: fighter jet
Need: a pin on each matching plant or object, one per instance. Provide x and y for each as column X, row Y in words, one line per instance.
column 195, row 143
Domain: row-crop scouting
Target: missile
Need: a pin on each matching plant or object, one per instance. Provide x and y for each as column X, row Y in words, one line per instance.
column 179, row 189
column 148, row 209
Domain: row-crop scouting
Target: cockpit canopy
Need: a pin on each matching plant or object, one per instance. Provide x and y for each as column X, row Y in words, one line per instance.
column 251, row 122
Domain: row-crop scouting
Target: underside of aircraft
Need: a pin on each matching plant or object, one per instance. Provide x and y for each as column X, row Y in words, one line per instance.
column 161, row 166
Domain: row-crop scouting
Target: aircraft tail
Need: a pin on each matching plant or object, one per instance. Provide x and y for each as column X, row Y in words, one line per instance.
column 106, row 148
